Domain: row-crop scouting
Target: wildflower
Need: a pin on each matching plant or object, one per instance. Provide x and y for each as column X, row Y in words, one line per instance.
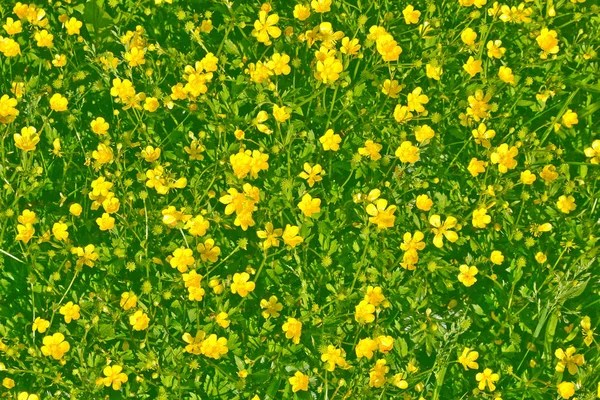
column 350, row 46
column 506, row 75
column 270, row 235
column 321, row 6
column 483, row 135
column 58, row 102
column 497, row 257
column 312, row 174
column 151, row 104
column 264, row 27
column 25, row 232
column 480, row 218
column 290, row 236
column 495, row 49
column 27, row 396
column 467, row 359
column 208, row 251
column 27, row 139
column 364, row 312
column 433, row 72
column 467, row 275
column 113, row 377
column 241, row 285
column 192, row 279
column 43, row 38
column 106, row 222
column 40, row 325
column 566, row 204
column 197, row 226
column 478, row 105
column 12, row 27
column 301, row 12
column 476, row 167
column 569, row 360
column 271, row 307
column 407, row 153
column 504, row 157
column 487, row 377
column 293, row 329
column 214, row 347
column 329, row 69
column 8, row 111
column 548, row 42
column 374, row 295
column 182, row 259
column 587, row 331
column 70, row 312
column 402, row 113
column 86, row 255
column 128, row 300
column 99, row 126
column 300, row 381
column 195, row 293
column 309, row 206
column 371, row 150
column 73, row 26
column 416, row 99
column 443, row 230
column 423, row 202
column 365, row 348
column 55, row 346
column 139, row 320
column 593, row 152
column 468, row 36
column 527, row 177
column 472, row 66
column 569, row 118
column 385, row 343
column 381, row 215
column 411, row 16
column 75, row 209
column 280, row 113
column 194, row 344
column 549, row 173
column 377, row 374
column 566, row 390
column 334, row 357
column 388, row 47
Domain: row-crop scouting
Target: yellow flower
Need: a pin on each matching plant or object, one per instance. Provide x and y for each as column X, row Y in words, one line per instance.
column 321, row 6
column 363, row 312
column 309, row 206
column 208, row 251
column 391, row 88
column 73, row 26
column 55, row 346
column 293, row 329
column 334, row 357
column 569, row 360
column 106, row 222
column 301, row 12
column 128, row 300
column 423, row 202
column 271, row 307
column 407, row 153
column 566, row 204
column 349, row 46
column 443, row 230
column 139, row 320
column 593, row 152
column 381, row 215
column 195, row 293
column 70, row 311
column 371, row 150
column 433, row 72
column 480, row 218
column 151, row 104
column 270, row 236
column 476, row 167
column 411, row 16
column 241, row 285
column 27, row 139
column 12, row 27
column 506, row 75
column 299, row 381
column 8, row 111
column 424, row 133
column 467, row 275
column 482, row 135
column 472, row 66
column 264, row 27
column 222, row 321
column 540, row 257
column 99, row 126
column 86, row 255
column 374, row 295
column 113, row 376
column 468, row 36
column 385, row 343
column 365, row 348
column 548, row 42
column 43, row 38
column 182, row 259
column 135, row 57
column 416, row 99
column 329, row 69
column 402, row 114
column 587, row 331
column 27, row 396
column 504, row 157
column 25, row 232
column 194, row 344
column 59, row 230
column 197, row 226
column 40, row 325
column 388, row 47
column 377, row 374
column 549, row 173
column 467, row 359
column 566, row 390
column 151, row 154
column 495, row 49
column 497, row 257
column 569, row 118
column 290, row 236
column 280, row 113
column 527, row 177
column 487, row 377
column 214, row 347
column 58, row 102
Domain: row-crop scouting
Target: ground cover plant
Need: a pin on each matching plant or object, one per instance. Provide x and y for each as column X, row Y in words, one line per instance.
column 326, row 199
